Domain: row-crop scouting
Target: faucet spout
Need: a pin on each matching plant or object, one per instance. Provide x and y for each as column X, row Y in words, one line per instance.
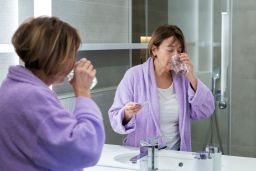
column 149, row 154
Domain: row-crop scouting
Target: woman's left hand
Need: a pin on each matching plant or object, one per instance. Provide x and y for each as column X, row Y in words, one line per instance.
column 190, row 74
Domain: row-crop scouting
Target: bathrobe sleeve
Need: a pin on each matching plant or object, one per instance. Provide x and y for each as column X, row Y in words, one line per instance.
column 124, row 94
column 202, row 101
column 66, row 141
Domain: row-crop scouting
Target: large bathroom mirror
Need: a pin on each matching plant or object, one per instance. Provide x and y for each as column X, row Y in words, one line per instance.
column 221, row 41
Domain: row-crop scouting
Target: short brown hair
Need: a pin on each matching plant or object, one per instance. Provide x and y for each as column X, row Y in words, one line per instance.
column 46, row 43
column 163, row 32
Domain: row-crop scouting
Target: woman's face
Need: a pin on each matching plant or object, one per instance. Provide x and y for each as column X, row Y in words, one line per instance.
column 169, row 47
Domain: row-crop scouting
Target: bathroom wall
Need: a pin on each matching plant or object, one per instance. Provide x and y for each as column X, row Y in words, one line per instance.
column 97, row 21
column 243, row 83
column 111, row 66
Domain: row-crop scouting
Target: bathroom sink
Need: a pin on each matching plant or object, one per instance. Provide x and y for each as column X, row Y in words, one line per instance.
column 117, row 158
column 125, row 158
column 167, row 161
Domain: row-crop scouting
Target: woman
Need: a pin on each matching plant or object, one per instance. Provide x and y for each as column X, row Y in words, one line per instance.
column 36, row 132
column 152, row 100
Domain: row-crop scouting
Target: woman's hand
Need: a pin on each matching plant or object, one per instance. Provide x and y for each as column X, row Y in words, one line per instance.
column 130, row 109
column 83, row 76
column 190, row 74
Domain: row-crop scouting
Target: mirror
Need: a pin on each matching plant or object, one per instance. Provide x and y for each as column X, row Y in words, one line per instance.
column 113, row 33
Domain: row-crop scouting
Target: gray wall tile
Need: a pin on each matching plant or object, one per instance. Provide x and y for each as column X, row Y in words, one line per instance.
column 243, row 138
column 110, row 65
column 97, row 21
column 246, row 151
column 104, row 100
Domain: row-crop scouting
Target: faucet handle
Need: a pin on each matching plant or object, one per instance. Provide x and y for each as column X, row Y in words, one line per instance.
column 202, row 155
column 203, row 161
column 149, row 141
column 215, row 154
column 145, row 144
column 212, row 149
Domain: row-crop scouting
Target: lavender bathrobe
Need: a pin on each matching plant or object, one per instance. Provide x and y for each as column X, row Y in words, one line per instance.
column 37, row 134
column 139, row 85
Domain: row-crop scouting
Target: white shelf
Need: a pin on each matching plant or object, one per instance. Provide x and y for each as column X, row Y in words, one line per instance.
column 204, row 44
column 8, row 48
column 113, row 46
column 94, row 91
column 208, row 44
column 191, row 43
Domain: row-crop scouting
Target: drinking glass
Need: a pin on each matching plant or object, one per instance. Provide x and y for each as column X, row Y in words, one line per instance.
column 71, row 75
column 177, row 65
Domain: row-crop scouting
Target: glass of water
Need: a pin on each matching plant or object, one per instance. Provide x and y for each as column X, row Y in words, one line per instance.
column 71, row 75
column 177, row 65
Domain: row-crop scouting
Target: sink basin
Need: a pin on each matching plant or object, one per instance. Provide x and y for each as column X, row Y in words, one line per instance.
column 125, row 158
column 166, row 161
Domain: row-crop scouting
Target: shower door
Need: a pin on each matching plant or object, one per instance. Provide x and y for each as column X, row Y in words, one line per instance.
column 207, row 27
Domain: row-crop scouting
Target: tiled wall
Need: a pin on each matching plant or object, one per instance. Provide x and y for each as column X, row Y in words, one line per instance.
column 111, row 66
column 97, row 21
column 243, row 106
column 104, row 100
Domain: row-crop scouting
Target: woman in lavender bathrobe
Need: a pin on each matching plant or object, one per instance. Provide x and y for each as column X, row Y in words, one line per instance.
column 36, row 132
column 154, row 101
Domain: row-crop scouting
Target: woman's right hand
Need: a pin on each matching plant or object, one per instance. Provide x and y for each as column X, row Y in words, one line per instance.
column 130, row 109
column 83, row 76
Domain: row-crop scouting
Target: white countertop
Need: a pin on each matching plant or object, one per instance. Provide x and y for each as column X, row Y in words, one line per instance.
column 110, row 152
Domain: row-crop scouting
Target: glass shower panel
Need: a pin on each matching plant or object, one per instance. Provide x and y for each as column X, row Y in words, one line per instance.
column 205, row 41
column 195, row 18
column 223, row 66
column 184, row 14
column 205, row 35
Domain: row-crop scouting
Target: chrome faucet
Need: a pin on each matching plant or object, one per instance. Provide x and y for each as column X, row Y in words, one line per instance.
column 148, row 154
